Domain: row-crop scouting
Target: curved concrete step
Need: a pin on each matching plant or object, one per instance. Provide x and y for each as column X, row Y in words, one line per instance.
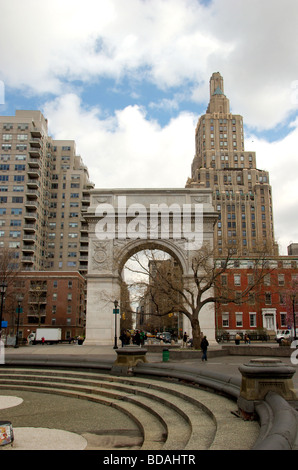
column 176, row 423
column 181, row 417
column 153, row 431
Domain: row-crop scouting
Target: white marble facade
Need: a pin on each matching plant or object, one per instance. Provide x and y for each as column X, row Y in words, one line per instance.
column 119, row 226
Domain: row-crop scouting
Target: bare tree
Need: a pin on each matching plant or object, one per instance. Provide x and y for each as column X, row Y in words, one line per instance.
column 38, row 300
column 9, row 271
column 169, row 294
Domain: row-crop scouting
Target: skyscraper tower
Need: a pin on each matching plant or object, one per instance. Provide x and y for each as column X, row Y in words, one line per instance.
column 241, row 193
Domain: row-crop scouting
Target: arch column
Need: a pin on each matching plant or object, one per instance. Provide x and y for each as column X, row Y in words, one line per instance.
column 102, row 290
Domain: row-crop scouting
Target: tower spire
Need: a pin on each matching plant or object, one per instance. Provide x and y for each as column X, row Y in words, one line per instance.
column 219, row 103
column 216, row 84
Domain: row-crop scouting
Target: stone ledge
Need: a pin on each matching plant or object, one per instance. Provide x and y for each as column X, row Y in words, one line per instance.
column 279, row 424
column 251, row 350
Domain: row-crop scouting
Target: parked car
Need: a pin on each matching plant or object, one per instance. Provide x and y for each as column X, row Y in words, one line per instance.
column 150, row 335
column 166, row 337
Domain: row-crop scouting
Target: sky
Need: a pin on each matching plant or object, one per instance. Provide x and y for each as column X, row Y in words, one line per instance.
column 128, row 81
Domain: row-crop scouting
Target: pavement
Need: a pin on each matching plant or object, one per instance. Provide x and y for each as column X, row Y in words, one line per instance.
column 68, row 436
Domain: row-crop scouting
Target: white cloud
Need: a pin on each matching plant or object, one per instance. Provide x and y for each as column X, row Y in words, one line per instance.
column 47, row 45
column 55, row 47
column 126, row 149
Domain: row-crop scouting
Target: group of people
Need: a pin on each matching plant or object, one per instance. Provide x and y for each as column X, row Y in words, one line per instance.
column 138, row 338
column 238, row 339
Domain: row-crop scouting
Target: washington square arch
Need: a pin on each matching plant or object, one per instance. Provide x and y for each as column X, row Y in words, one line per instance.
column 122, row 222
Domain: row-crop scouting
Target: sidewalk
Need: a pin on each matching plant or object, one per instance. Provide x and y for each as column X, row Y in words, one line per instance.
column 226, row 364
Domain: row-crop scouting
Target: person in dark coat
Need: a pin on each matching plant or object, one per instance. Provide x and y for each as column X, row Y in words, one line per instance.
column 204, row 346
column 137, row 338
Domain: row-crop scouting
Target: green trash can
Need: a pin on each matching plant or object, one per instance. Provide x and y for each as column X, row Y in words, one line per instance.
column 165, row 355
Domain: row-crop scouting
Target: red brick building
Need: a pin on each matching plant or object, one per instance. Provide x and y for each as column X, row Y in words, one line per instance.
column 45, row 299
column 268, row 307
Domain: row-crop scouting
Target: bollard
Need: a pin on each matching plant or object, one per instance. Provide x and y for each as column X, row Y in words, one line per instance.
column 259, row 377
column 127, row 358
column 165, row 355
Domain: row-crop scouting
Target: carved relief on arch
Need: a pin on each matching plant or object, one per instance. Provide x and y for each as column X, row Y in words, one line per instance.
column 102, row 255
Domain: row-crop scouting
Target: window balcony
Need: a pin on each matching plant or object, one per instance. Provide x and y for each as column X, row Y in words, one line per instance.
column 36, row 134
column 35, row 142
column 34, row 163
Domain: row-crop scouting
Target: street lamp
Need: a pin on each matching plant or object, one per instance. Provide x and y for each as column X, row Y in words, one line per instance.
column 3, row 287
column 115, row 312
column 294, row 315
column 20, row 298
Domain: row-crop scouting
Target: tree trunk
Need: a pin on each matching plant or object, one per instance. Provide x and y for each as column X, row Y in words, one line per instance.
column 196, row 333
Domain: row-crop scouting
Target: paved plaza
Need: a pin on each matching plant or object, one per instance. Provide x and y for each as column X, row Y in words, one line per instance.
column 67, row 423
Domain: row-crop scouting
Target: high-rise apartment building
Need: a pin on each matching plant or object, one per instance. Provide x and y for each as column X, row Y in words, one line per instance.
column 44, row 189
column 242, row 193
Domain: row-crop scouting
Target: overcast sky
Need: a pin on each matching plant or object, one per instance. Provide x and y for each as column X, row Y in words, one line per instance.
column 128, row 80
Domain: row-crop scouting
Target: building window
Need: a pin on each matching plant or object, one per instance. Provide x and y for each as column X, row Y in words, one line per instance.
column 237, row 279
column 225, row 320
column 267, row 280
column 283, row 319
column 268, row 298
column 281, row 279
column 239, row 322
column 252, row 320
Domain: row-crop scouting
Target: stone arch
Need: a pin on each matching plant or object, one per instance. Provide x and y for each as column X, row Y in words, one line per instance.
column 107, row 255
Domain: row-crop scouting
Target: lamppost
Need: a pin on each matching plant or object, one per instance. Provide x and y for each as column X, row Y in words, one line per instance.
column 3, row 287
column 115, row 312
column 294, row 315
column 19, row 310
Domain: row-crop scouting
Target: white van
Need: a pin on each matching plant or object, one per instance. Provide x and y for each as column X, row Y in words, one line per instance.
column 283, row 335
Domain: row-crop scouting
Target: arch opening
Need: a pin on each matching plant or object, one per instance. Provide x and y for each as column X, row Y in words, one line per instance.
column 151, row 293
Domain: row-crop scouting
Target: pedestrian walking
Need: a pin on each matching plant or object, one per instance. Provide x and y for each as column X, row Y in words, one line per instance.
column 185, row 336
column 122, row 338
column 204, row 346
